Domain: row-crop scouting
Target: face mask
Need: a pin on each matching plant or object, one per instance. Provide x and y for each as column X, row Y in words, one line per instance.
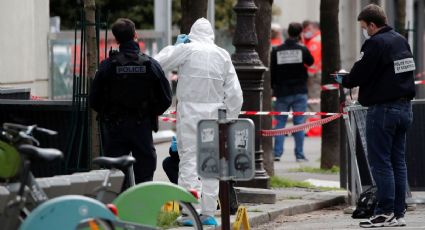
column 365, row 34
column 308, row 35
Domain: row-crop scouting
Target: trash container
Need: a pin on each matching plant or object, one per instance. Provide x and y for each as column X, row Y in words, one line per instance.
column 15, row 93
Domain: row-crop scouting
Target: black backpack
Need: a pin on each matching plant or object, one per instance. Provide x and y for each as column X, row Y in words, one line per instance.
column 366, row 204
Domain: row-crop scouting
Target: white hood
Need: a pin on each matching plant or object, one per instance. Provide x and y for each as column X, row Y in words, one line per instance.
column 202, row 31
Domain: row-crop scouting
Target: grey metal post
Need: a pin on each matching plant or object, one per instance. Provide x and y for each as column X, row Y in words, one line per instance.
column 162, row 19
column 343, row 147
column 250, row 72
column 131, row 177
column 211, row 12
column 223, row 127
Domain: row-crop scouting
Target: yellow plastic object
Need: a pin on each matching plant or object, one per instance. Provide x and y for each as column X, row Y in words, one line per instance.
column 9, row 160
column 241, row 219
column 171, row 206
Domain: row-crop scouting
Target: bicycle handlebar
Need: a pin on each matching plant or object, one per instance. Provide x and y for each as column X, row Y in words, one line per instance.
column 17, row 132
column 27, row 129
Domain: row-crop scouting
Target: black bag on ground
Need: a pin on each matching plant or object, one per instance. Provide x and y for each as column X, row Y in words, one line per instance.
column 366, row 204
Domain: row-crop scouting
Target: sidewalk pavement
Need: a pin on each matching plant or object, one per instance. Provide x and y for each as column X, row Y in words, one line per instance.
column 289, row 201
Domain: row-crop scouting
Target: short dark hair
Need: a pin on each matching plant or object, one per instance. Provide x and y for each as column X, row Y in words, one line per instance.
column 295, row 29
column 123, row 30
column 373, row 13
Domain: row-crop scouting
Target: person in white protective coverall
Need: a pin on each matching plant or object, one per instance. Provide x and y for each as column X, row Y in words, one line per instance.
column 207, row 81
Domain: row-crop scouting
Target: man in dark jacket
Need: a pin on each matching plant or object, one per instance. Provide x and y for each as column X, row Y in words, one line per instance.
column 385, row 75
column 129, row 92
column 289, row 83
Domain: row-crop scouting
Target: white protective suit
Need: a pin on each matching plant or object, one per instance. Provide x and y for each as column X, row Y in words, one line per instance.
column 207, row 81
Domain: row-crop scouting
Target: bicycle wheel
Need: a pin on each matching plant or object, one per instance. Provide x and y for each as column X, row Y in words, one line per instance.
column 191, row 215
column 66, row 213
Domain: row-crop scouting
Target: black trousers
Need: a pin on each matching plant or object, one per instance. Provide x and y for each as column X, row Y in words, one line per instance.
column 131, row 134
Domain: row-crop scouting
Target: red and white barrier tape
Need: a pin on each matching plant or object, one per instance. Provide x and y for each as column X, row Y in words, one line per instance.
column 421, row 82
column 273, row 113
column 329, row 87
column 254, row 113
column 297, row 128
column 168, row 119
column 420, row 74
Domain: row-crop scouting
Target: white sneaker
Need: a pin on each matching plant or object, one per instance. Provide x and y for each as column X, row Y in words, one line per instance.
column 401, row 222
column 382, row 220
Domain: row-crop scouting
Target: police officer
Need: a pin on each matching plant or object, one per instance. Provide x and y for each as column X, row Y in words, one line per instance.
column 129, row 91
column 289, row 83
column 312, row 39
column 384, row 73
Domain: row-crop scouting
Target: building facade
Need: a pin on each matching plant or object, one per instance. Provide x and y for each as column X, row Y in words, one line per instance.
column 24, row 58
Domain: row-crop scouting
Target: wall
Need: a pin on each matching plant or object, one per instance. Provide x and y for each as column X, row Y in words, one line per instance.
column 24, row 45
column 349, row 33
column 419, row 50
column 297, row 11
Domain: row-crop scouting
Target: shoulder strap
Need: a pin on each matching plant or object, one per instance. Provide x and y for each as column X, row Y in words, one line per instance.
column 127, row 58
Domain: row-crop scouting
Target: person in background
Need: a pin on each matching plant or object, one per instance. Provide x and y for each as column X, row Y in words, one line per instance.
column 289, row 83
column 129, row 92
column 171, row 163
column 207, row 82
column 384, row 73
column 312, row 39
column 276, row 35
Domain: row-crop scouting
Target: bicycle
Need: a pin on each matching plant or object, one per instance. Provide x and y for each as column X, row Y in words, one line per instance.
column 19, row 141
column 27, row 193
column 142, row 195
column 130, row 215
column 82, row 212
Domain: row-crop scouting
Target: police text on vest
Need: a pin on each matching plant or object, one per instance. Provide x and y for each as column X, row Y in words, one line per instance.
column 404, row 65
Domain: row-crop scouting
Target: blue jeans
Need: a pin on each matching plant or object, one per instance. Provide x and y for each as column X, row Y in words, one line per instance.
column 386, row 128
column 298, row 103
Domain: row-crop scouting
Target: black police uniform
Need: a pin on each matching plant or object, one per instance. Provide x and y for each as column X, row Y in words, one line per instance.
column 384, row 70
column 384, row 73
column 129, row 92
column 287, row 68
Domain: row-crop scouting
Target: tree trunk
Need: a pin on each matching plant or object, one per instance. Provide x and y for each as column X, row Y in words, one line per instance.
column 191, row 11
column 400, row 19
column 263, row 19
column 92, row 62
column 331, row 62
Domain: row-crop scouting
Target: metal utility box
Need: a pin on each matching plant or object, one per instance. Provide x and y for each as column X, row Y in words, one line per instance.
column 239, row 163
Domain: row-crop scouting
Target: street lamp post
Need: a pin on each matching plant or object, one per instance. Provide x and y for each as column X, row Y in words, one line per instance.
column 250, row 72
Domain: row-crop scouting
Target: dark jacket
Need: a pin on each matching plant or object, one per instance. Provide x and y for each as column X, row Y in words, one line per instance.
column 288, row 68
column 102, row 87
column 384, row 70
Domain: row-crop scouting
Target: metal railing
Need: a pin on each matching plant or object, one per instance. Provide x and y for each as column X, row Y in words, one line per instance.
column 358, row 165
